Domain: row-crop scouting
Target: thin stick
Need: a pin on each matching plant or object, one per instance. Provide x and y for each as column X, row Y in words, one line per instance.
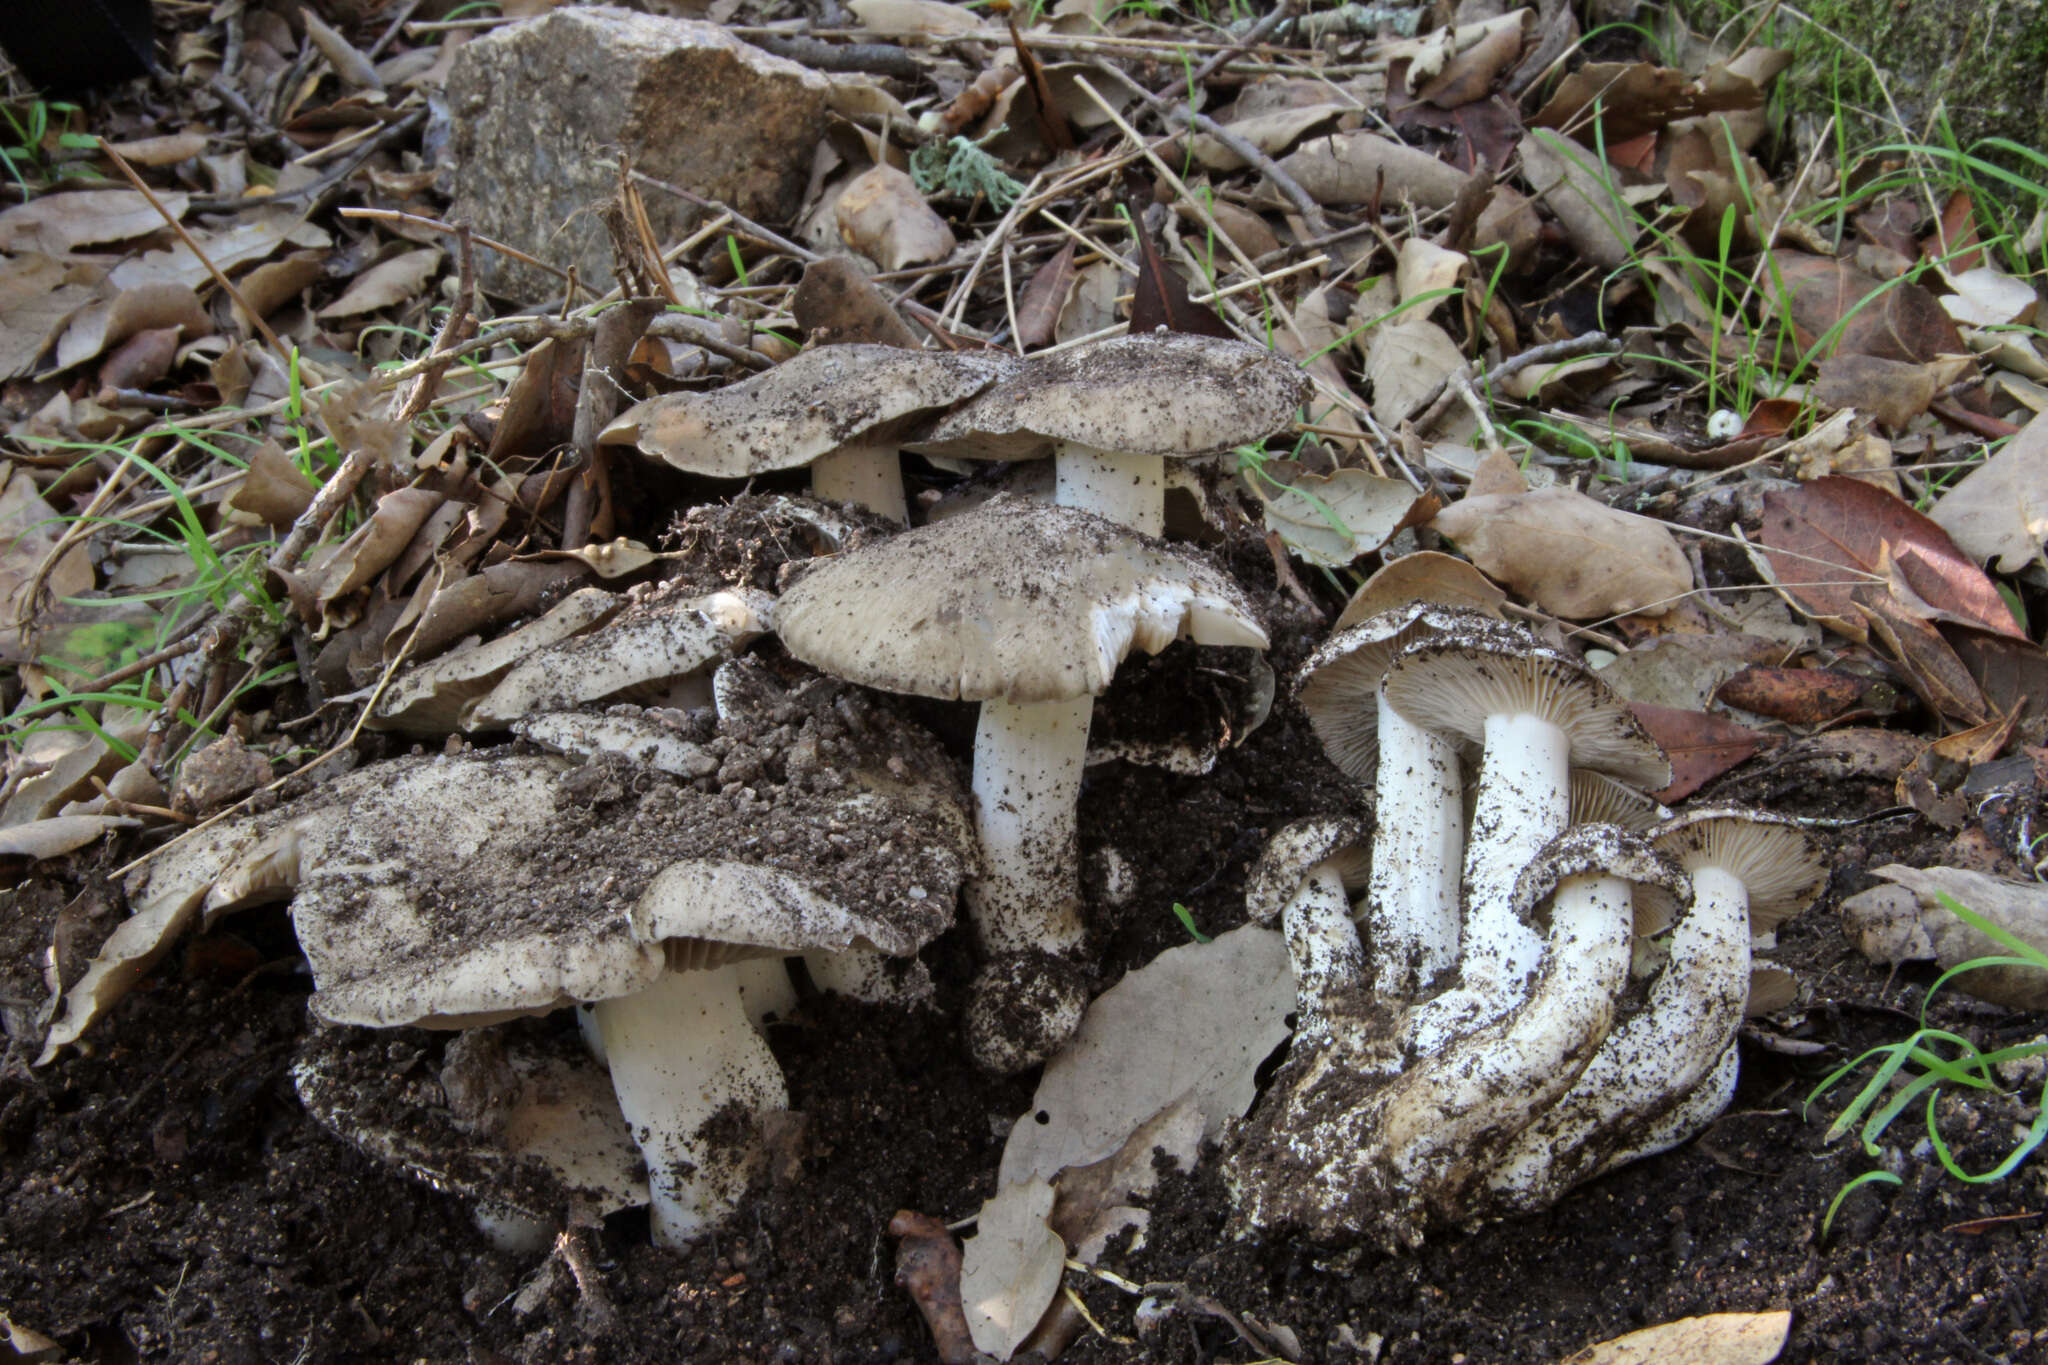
column 1440, row 398
column 437, row 225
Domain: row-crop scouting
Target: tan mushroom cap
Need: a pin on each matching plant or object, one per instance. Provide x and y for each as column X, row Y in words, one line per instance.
column 1424, row 576
column 1295, row 852
column 1769, row 854
column 818, row 401
column 1014, row 600
column 433, row 698
column 1455, row 682
column 1160, row 393
column 1340, row 682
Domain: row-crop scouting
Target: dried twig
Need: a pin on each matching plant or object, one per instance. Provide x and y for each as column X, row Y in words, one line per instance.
column 1439, row 399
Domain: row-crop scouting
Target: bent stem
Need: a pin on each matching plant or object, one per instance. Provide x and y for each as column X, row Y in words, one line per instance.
column 1323, row 943
column 683, row 1052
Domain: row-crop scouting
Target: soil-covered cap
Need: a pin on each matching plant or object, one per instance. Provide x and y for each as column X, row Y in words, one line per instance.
column 1014, row 600
column 1598, row 850
column 1298, row 850
column 1455, row 682
column 1160, row 393
column 1769, row 854
column 810, row 405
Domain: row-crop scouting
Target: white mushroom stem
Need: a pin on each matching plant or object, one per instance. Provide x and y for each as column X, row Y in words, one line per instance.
column 1492, row 1083
column 869, row 476
column 682, row 1053
column 1653, row 1062
column 1412, row 907
column 1028, row 758
column 1523, row 801
column 1322, row 942
column 1130, row 489
column 1707, row 1102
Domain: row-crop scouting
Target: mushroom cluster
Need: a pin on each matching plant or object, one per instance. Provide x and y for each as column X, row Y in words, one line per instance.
column 1475, row 1041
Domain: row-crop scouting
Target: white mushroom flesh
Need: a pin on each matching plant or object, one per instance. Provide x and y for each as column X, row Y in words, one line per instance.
column 1128, row 489
column 1028, row 760
column 869, row 476
column 1412, row 906
column 684, row 1054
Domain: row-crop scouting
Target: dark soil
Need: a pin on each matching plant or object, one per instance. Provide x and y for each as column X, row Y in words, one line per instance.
column 166, row 1197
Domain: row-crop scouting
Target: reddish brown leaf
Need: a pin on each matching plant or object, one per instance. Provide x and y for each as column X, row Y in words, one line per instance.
column 1162, row 296
column 1932, row 669
column 1038, row 312
column 1798, row 696
column 1867, row 316
column 1702, row 745
column 1827, row 538
column 928, row 1266
column 141, row 360
column 1771, row 417
column 1955, row 241
column 1052, row 124
column 2012, row 674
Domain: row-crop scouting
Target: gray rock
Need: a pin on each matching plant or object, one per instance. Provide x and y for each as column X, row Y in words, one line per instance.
column 541, row 110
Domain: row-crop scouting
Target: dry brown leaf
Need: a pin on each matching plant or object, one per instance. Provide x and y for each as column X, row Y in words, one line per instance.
column 167, row 150
column 390, row 282
column 273, row 284
column 1332, row 520
column 37, row 294
column 1354, row 168
column 274, row 490
column 350, row 66
column 1909, row 923
column 141, row 360
column 56, row 224
column 1636, row 98
column 915, row 18
column 1194, row 1023
column 1093, row 1200
column 376, row 543
column 1701, row 744
column 1570, row 555
column 28, row 530
column 1985, row 297
column 1716, row 1339
column 1011, row 1267
column 1999, row 511
column 1892, row 391
column 1821, row 296
column 250, row 239
column 1091, row 305
column 1243, row 227
column 1406, row 360
column 1038, row 309
column 109, row 322
column 883, row 217
column 1586, row 195
column 1272, row 132
column 1423, row 267
column 836, row 302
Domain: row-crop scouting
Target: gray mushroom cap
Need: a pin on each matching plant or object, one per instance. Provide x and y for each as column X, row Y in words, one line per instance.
column 1015, row 601
column 1297, row 850
column 1454, row 682
column 1598, row 850
column 818, row 401
column 1159, row 393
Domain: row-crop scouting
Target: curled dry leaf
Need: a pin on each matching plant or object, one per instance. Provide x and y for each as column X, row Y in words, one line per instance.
column 1892, row 391
column 1272, row 132
column 1797, row 696
column 1715, row 1339
column 915, row 18
column 1828, row 539
column 1355, row 168
column 275, row 489
column 1985, row 297
column 1332, row 520
column 390, row 282
column 836, row 302
column 249, row 239
column 1999, row 511
column 1425, row 576
column 928, row 1267
column 58, row 835
column 1405, row 360
column 1011, row 1267
column 1586, row 195
column 37, row 294
column 109, row 322
column 1570, row 555
column 883, row 217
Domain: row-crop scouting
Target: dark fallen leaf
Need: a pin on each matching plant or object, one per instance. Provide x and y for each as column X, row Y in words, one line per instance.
column 928, row 1266
column 1955, row 243
column 141, row 360
column 1897, row 320
column 1162, row 298
column 1890, row 390
column 1797, row 696
column 836, row 302
column 1931, row 668
column 1038, row 312
column 1052, row 124
column 2012, row 674
column 1702, row 745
